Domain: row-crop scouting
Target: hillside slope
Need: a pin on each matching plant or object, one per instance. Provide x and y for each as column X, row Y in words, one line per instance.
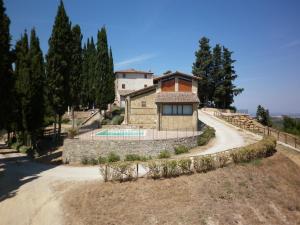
column 261, row 192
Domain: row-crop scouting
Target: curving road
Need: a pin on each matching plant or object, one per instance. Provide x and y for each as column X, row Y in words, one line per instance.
column 227, row 137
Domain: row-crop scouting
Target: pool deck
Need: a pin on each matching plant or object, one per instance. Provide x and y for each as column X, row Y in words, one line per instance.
column 149, row 134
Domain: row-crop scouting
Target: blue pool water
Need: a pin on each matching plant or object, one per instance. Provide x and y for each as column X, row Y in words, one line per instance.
column 121, row 133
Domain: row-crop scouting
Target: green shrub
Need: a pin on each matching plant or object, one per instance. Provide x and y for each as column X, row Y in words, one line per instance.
column 181, row 149
column 105, row 122
column 222, row 159
column 93, row 161
column 84, row 160
column 132, row 157
column 72, row 132
column 155, row 169
column 204, row 163
column 117, row 120
column 16, row 145
column 164, row 154
column 264, row 148
column 205, row 137
column 65, row 120
column 113, row 157
column 185, row 166
column 24, row 149
column 170, row 168
column 118, row 171
column 102, row 160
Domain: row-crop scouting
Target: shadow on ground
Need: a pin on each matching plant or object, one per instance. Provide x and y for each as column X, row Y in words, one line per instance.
column 16, row 170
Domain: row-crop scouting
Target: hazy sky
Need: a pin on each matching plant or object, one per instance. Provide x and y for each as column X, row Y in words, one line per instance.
column 160, row 35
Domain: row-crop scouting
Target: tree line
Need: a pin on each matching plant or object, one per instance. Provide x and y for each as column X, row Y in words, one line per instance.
column 216, row 70
column 33, row 86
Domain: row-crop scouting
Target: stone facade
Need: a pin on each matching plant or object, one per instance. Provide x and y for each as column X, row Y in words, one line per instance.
column 74, row 150
column 144, row 116
column 144, row 107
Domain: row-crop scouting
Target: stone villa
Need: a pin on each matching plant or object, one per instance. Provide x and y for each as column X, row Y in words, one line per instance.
column 170, row 103
column 128, row 81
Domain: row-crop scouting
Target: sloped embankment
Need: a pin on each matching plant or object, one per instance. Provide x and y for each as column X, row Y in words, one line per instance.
column 261, row 192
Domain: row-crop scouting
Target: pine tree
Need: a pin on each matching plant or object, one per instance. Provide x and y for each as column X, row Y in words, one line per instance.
column 102, row 70
column 111, row 78
column 202, row 68
column 59, row 63
column 23, row 89
column 37, row 83
column 84, row 79
column 263, row 116
column 216, row 87
column 229, row 76
column 6, row 73
column 76, row 69
column 92, row 74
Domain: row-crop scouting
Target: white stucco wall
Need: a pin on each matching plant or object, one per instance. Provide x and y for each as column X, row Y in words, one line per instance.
column 133, row 81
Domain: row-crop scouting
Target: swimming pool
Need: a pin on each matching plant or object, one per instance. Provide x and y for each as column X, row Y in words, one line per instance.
column 121, row 133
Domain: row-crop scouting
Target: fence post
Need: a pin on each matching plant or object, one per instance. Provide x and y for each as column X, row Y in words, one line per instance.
column 137, row 170
column 278, row 135
column 295, row 142
column 105, row 178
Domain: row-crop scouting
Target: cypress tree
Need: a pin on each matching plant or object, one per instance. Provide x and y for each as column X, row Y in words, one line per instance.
column 84, row 79
column 59, row 64
column 76, row 69
column 217, row 90
column 92, row 74
column 6, row 73
column 37, row 82
column 202, row 68
column 229, row 76
column 111, row 90
column 102, row 70
column 23, row 89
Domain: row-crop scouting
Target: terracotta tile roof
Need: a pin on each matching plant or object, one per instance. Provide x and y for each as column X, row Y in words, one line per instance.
column 176, row 73
column 133, row 71
column 143, row 90
column 176, row 97
column 125, row 92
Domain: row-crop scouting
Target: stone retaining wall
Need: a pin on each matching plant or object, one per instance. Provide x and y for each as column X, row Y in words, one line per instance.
column 74, row 150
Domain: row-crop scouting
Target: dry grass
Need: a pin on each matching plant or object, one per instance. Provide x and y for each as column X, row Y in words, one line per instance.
column 262, row 192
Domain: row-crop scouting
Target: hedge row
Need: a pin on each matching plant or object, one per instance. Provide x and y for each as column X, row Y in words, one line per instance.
column 205, row 137
column 165, row 168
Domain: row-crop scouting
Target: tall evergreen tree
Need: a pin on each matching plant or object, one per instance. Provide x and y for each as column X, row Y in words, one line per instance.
column 76, row 69
column 202, row 68
column 84, row 95
column 217, row 91
column 111, row 78
column 229, row 76
column 37, row 83
column 102, row 70
column 59, row 63
column 92, row 74
column 23, row 88
column 6, row 73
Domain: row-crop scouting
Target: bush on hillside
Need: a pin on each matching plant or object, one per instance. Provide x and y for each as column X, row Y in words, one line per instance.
column 203, row 164
column 181, row 149
column 205, row 137
column 264, row 148
column 164, row 154
column 117, row 120
column 113, row 157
